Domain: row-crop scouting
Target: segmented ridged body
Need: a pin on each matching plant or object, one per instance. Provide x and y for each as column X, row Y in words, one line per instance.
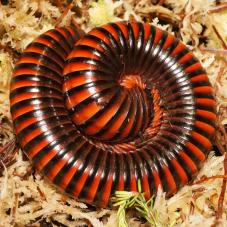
column 140, row 107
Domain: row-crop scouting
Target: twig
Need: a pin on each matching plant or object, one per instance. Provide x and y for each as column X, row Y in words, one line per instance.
column 60, row 6
column 224, row 183
column 74, row 23
column 42, row 195
column 3, row 191
column 65, row 12
column 194, row 191
column 214, row 50
column 219, row 8
column 192, row 208
column 220, row 37
column 175, row 22
column 210, row 178
column 222, row 129
column 14, row 210
column 7, row 153
column 222, row 194
column 8, row 146
column 220, row 147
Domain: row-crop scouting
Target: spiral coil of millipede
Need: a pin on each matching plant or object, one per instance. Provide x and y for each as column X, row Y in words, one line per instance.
column 126, row 102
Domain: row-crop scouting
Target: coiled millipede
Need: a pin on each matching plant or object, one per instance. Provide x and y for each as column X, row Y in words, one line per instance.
column 128, row 102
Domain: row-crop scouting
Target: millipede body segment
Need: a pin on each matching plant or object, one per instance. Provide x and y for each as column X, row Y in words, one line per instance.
column 98, row 113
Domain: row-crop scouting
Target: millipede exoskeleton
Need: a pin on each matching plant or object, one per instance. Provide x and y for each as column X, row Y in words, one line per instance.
column 126, row 102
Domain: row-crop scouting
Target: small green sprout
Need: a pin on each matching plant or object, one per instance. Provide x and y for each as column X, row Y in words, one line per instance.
column 124, row 200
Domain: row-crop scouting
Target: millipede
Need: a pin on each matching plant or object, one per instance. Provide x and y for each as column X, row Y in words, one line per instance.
column 99, row 112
